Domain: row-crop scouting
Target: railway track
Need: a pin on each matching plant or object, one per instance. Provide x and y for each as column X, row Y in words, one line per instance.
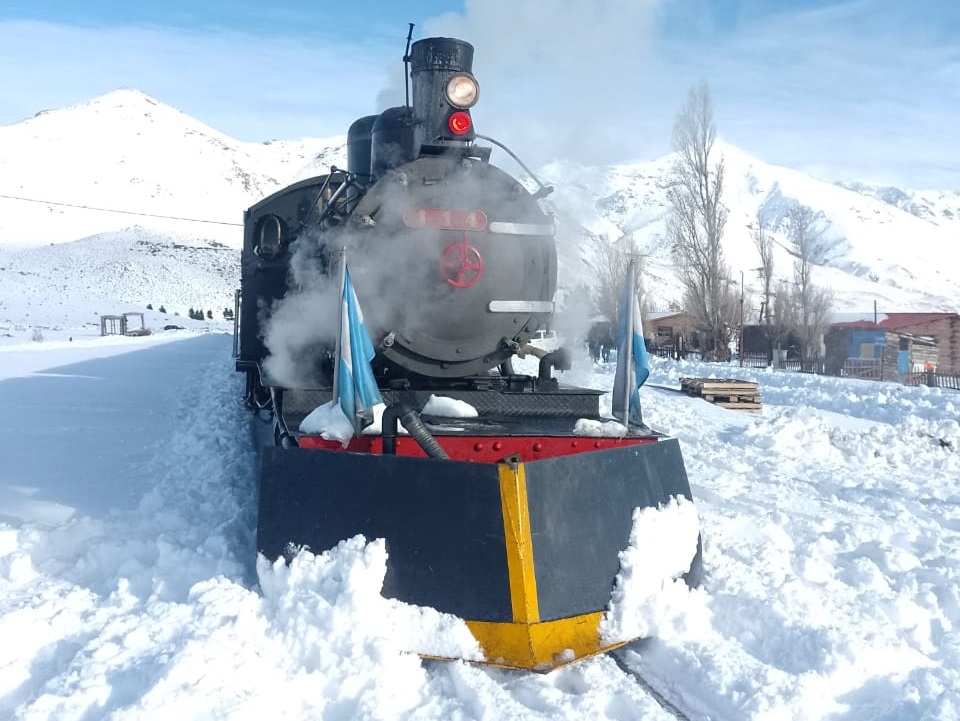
column 621, row 657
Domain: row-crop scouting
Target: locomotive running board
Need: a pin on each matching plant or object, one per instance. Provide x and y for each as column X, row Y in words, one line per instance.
column 526, row 553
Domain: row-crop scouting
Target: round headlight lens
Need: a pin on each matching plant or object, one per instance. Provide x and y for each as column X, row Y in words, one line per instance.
column 462, row 91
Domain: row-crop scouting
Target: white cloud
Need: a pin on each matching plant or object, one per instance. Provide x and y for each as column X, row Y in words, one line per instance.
column 851, row 90
column 847, row 90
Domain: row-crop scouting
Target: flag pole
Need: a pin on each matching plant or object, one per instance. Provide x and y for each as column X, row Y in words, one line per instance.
column 336, row 354
column 631, row 287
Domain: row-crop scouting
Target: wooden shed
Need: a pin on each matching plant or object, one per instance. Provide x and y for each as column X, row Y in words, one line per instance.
column 868, row 350
column 673, row 333
column 944, row 328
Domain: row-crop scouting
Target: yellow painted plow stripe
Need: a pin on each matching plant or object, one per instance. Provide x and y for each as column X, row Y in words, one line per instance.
column 516, row 528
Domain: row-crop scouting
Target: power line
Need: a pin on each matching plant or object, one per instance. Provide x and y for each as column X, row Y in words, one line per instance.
column 123, row 212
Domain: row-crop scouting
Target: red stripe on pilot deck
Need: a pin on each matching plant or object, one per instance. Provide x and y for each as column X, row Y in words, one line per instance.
column 482, row 449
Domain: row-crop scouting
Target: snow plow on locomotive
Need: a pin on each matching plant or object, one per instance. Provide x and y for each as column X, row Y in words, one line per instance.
column 505, row 514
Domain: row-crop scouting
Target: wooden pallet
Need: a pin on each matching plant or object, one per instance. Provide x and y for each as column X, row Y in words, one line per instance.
column 725, row 392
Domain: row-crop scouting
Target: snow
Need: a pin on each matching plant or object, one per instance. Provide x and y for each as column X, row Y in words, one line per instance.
column 447, row 407
column 649, row 597
column 330, row 422
column 129, row 582
column 129, row 587
column 590, row 427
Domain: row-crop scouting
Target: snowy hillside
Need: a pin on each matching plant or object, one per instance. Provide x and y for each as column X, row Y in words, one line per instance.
column 125, row 151
column 938, row 206
column 107, row 167
column 53, row 286
column 874, row 250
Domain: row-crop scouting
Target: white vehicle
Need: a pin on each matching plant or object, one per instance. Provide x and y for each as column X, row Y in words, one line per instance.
column 546, row 339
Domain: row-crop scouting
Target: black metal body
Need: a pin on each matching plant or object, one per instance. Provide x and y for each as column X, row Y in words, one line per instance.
column 511, row 518
column 444, row 528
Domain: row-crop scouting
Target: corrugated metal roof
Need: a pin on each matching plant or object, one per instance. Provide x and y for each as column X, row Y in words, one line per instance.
column 903, row 320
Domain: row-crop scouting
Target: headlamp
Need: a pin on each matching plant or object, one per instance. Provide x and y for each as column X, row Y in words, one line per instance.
column 462, row 91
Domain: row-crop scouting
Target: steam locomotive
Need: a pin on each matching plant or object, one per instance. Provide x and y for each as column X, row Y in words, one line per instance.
column 510, row 519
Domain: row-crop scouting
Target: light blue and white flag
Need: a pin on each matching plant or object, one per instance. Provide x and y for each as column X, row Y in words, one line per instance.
column 356, row 388
column 633, row 366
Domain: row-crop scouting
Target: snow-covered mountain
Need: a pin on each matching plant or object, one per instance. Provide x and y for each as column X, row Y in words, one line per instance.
column 154, row 195
column 126, row 201
column 938, row 206
column 899, row 257
column 124, row 158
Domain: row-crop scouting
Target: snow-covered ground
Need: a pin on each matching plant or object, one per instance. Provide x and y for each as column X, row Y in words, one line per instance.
column 129, row 587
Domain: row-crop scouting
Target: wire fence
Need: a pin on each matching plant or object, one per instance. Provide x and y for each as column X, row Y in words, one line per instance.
column 860, row 368
column 933, row 379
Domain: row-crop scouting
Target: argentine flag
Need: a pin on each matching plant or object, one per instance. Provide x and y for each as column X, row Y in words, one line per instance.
column 633, row 366
column 356, row 391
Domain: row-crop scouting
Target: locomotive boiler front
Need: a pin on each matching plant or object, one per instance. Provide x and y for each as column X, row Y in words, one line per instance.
column 455, row 265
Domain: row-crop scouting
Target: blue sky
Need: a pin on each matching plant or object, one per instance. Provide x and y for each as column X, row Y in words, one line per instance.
column 844, row 89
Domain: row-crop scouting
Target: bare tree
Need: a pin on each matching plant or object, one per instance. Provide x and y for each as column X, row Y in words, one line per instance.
column 763, row 242
column 697, row 219
column 610, row 271
column 813, row 303
column 784, row 318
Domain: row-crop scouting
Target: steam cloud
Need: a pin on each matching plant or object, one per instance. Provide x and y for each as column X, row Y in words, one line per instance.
column 559, row 78
column 552, row 85
column 396, row 274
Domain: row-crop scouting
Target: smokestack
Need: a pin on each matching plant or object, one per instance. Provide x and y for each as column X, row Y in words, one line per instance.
column 433, row 61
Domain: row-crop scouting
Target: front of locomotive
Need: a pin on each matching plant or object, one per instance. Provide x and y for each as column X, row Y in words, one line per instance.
column 453, row 259
column 510, row 519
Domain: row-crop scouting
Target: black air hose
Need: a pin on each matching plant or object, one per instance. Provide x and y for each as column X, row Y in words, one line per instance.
column 400, row 412
column 281, row 433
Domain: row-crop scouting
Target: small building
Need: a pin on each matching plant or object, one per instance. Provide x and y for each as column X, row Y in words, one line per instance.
column 113, row 325
column 868, row 350
column 944, row 328
column 121, row 325
column 672, row 333
column 760, row 348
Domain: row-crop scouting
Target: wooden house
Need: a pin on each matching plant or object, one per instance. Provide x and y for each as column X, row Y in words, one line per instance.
column 864, row 349
column 944, row 328
column 672, row 333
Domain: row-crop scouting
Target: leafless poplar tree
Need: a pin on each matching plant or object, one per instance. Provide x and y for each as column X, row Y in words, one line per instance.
column 610, row 271
column 763, row 242
column 697, row 219
column 784, row 318
column 813, row 303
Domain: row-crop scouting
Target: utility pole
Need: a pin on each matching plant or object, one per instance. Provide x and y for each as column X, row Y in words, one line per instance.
column 741, row 319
